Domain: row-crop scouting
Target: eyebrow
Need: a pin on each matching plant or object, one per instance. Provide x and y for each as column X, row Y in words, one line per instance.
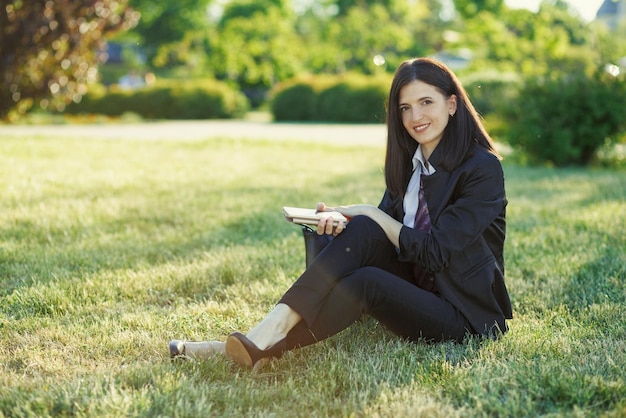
column 419, row 100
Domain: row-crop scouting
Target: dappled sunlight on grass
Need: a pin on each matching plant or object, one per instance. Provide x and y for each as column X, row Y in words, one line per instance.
column 108, row 249
column 566, row 240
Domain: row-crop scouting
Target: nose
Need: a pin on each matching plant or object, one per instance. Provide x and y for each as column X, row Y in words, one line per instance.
column 416, row 115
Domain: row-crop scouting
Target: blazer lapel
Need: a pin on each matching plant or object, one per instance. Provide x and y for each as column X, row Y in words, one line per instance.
column 436, row 187
column 436, row 191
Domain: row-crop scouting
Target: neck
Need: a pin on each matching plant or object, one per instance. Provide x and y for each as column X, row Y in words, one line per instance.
column 426, row 152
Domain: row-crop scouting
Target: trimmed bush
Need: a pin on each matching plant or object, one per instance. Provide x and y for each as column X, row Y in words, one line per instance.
column 333, row 103
column 565, row 121
column 167, row 100
column 295, row 103
column 343, row 99
column 296, row 99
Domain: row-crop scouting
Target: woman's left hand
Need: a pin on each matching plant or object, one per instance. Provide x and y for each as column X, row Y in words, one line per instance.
column 351, row 211
column 387, row 223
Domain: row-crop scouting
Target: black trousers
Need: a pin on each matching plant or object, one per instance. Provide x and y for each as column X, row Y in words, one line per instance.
column 359, row 273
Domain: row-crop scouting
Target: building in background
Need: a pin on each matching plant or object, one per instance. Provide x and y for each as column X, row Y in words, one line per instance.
column 612, row 13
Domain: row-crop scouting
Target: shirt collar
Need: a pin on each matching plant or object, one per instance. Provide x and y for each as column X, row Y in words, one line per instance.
column 419, row 161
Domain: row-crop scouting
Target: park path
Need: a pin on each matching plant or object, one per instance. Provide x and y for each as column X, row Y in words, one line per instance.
column 352, row 134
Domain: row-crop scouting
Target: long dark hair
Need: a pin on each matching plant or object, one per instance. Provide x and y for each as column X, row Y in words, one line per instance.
column 463, row 132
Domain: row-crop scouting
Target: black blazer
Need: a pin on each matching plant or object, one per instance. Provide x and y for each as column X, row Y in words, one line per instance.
column 464, row 249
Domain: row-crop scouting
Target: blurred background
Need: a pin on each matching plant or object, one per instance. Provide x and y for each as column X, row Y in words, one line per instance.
column 547, row 76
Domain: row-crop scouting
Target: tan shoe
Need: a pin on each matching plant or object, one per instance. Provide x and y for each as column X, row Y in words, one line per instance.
column 244, row 352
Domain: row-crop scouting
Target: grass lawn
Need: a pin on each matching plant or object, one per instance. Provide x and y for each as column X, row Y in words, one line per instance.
column 109, row 249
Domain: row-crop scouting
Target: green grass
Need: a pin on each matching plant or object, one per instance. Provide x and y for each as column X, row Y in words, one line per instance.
column 109, row 249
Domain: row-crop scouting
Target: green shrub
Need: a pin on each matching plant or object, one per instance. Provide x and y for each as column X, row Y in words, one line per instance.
column 332, row 103
column 565, row 121
column 295, row 103
column 348, row 98
column 167, row 100
column 154, row 103
column 296, row 99
column 101, row 102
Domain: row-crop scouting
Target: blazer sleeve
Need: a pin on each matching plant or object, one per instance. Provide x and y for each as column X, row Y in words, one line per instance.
column 474, row 198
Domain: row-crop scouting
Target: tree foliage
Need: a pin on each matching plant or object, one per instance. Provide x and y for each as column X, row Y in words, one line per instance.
column 163, row 23
column 257, row 44
column 470, row 8
column 550, row 41
column 48, row 49
column 255, row 49
column 247, row 9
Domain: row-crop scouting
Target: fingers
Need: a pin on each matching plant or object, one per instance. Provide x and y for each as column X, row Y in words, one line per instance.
column 339, row 228
column 321, row 207
column 325, row 225
column 321, row 226
column 328, row 226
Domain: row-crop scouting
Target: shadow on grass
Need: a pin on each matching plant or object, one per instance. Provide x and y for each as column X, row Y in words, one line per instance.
column 583, row 186
column 352, row 370
column 599, row 281
column 144, row 234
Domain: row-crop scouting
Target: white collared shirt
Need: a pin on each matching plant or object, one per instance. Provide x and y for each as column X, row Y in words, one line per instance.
column 411, row 197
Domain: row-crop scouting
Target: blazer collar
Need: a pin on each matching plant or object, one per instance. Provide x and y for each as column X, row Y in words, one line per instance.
column 436, row 157
column 435, row 189
column 418, row 160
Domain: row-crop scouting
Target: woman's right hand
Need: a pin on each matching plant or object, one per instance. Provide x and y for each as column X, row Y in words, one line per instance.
column 326, row 223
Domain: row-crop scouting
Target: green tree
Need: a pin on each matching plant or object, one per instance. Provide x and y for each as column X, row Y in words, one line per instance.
column 255, row 48
column 349, row 41
column 365, row 33
column 552, row 41
column 470, row 8
column 164, row 23
column 48, row 49
column 344, row 7
column 248, row 9
column 611, row 44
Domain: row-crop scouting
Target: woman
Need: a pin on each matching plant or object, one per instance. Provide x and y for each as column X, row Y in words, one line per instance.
column 427, row 263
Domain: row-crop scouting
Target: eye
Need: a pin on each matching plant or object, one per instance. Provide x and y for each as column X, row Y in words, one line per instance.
column 404, row 108
column 427, row 102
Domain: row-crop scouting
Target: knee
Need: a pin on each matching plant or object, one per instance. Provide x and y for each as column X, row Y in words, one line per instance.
column 364, row 272
column 364, row 237
column 362, row 221
column 363, row 285
column 362, row 278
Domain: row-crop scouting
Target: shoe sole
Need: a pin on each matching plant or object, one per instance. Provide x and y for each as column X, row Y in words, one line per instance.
column 237, row 352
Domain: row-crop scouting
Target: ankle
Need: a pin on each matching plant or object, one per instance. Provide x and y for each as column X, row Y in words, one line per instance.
column 265, row 341
column 274, row 327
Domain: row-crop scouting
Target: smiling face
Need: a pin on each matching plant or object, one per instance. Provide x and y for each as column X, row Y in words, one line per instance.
column 425, row 112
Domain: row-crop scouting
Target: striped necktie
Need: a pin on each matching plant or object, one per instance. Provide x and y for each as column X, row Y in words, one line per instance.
column 422, row 223
column 422, row 217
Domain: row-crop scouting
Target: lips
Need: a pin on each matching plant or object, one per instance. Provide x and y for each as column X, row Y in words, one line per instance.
column 421, row 128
